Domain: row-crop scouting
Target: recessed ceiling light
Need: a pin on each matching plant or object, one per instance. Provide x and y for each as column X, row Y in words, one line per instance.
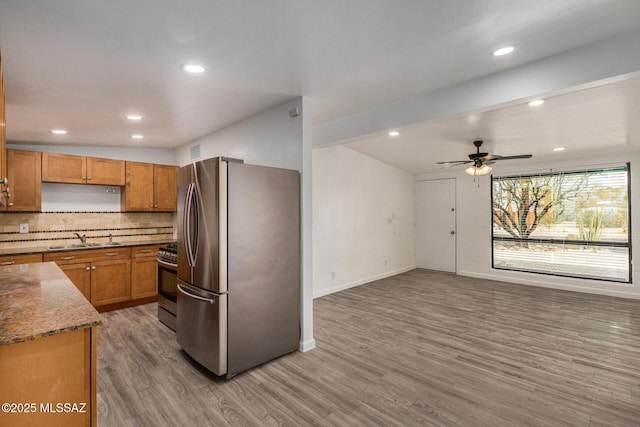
column 137, row 136
column 193, row 68
column 394, row 133
column 59, row 131
column 536, row 103
column 559, row 149
column 503, row 51
column 134, row 117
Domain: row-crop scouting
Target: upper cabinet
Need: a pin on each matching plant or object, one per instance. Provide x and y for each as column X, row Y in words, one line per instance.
column 69, row 169
column 23, row 171
column 3, row 143
column 150, row 187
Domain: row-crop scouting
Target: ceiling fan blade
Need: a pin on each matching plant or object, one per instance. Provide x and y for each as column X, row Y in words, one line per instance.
column 521, row 156
column 453, row 161
column 449, row 164
column 491, row 157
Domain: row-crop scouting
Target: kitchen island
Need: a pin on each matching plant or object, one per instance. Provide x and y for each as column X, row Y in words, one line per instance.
column 48, row 334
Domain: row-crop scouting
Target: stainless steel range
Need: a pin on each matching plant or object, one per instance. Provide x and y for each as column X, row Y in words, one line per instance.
column 167, row 282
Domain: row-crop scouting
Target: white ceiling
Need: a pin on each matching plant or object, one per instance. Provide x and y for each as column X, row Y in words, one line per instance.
column 83, row 65
column 593, row 122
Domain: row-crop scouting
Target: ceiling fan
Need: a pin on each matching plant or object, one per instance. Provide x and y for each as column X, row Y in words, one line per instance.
column 481, row 161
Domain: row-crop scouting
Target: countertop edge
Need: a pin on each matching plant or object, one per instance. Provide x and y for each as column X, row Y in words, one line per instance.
column 18, row 340
column 44, row 250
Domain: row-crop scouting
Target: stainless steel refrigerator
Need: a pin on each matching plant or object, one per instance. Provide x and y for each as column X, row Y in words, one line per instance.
column 238, row 299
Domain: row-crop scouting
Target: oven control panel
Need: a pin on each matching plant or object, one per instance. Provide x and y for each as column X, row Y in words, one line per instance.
column 169, row 254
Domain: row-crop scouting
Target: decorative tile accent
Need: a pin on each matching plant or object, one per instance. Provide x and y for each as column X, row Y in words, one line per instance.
column 58, row 228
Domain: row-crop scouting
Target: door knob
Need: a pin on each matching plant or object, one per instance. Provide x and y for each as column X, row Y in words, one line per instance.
column 453, row 232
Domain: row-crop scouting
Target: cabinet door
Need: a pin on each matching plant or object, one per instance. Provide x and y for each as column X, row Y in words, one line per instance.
column 105, row 171
column 64, row 168
column 110, row 281
column 80, row 275
column 165, row 187
column 24, row 172
column 144, row 277
column 138, row 192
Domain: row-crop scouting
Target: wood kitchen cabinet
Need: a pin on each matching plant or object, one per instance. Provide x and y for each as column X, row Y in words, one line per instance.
column 68, row 169
column 24, row 173
column 144, row 271
column 20, row 259
column 150, row 188
column 108, row 277
column 110, row 281
column 80, row 275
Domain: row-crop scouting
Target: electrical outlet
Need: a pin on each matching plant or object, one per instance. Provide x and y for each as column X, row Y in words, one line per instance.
column 24, row 228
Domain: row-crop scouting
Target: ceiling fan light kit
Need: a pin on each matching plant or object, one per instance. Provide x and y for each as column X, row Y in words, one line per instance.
column 476, row 171
column 481, row 161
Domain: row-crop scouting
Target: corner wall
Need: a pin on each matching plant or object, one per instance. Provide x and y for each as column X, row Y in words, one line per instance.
column 363, row 220
column 473, row 201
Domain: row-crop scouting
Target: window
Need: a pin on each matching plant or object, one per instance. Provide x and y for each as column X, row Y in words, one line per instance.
column 573, row 224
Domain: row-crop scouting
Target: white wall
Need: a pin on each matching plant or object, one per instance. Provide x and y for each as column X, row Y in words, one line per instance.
column 273, row 138
column 474, row 226
column 270, row 138
column 163, row 156
column 363, row 220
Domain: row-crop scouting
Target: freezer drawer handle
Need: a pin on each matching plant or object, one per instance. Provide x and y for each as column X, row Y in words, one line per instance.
column 198, row 297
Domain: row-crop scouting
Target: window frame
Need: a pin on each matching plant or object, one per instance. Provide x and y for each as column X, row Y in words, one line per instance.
column 627, row 244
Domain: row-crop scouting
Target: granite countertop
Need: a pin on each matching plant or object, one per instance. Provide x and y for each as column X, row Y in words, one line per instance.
column 43, row 249
column 38, row 300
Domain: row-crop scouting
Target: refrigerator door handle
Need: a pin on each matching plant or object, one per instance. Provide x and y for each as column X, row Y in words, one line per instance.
column 198, row 297
column 186, row 222
column 193, row 244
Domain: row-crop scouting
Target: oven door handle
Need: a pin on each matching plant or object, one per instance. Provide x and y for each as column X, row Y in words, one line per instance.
column 166, row 264
column 198, row 297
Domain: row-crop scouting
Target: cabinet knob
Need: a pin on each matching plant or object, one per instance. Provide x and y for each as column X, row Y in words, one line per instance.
column 84, row 177
column 155, row 206
column 93, row 267
column 66, row 258
column 87, row 268
column 150, row 206
column 88, row 177
column 10, row 203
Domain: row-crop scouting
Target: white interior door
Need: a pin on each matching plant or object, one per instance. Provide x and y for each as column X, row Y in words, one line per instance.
column 436, row 225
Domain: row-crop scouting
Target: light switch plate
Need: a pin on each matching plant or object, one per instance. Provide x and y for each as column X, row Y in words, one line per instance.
column 24, row 228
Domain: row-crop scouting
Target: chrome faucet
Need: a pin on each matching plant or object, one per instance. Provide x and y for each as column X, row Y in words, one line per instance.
column 82, row 238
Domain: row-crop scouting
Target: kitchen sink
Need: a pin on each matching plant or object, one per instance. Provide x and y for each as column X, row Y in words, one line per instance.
column 84, row 246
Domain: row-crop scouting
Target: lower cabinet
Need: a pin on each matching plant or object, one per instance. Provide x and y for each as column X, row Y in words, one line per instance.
column 102, row 275
column 80, row 275
column 110, row 281
column 144, row 271
column 110, row 276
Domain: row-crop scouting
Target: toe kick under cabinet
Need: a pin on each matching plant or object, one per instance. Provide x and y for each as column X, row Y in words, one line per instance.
column 102, row 275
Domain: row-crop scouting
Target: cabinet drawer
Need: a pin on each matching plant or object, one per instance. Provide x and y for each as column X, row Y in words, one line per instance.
column 72, row 257
column 145, row 251
column 20, row 259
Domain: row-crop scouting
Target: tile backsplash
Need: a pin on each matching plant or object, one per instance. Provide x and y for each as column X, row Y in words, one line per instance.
column 58, row 228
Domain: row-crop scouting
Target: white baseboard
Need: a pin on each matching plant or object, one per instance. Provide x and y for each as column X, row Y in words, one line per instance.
column 550, row 283
column 307, row 345
column 359, row 282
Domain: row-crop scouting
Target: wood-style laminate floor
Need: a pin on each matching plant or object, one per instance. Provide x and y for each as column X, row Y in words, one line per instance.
column 419, row 349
